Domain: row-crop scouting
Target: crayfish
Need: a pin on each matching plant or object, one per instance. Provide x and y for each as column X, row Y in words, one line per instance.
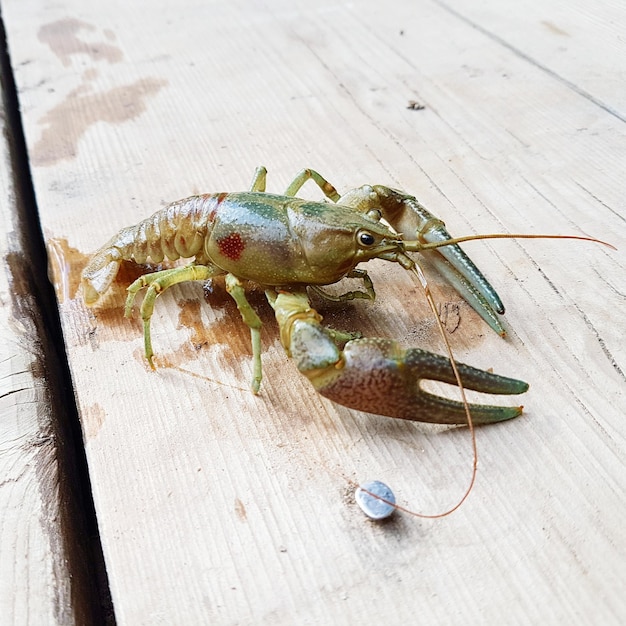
column 290, row 247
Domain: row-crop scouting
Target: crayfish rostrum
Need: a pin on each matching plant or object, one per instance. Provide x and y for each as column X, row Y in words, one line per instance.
column 290, row 246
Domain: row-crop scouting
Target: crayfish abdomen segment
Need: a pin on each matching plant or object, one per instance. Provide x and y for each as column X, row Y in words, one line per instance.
column 177, row 231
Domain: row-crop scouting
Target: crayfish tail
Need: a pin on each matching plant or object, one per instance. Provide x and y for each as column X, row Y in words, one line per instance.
column 99, row 273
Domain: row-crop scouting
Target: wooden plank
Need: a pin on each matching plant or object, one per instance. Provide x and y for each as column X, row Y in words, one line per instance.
column 28, row 587
column 216, row 505
column 47, row 573
column 576, row 42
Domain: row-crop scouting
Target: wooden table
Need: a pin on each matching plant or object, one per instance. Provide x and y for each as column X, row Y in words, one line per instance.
column 216, row 506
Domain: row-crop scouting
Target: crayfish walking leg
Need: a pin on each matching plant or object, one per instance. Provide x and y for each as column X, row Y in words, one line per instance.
column 157, row 282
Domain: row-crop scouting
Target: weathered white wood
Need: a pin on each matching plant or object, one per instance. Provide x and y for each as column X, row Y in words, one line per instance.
column 218, row 506
column 35, row 583
column 578, row 43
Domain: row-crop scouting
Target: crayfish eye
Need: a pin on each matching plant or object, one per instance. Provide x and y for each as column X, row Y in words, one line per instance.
column 366, row 239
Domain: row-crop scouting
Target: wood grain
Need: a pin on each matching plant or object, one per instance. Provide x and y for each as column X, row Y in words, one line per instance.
column 216, row 506
column 33, row 580
column 47, row 565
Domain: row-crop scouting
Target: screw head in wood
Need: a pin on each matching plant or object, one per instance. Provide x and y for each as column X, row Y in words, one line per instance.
column 372, row 506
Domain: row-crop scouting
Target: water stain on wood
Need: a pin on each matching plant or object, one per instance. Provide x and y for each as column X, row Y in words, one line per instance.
column 110, row 324
column 92, row 419
column 554, row 29
column 83, row 107
column 240, row 510
column 190, row 316
column 64, row 266
column 226, row 327
column 62, row 38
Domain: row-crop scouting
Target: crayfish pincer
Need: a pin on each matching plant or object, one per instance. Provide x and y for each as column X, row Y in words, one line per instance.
column 290, row 247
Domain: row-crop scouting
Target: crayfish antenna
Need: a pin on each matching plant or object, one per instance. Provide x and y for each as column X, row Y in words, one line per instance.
column 419, row 247
column 417, row 270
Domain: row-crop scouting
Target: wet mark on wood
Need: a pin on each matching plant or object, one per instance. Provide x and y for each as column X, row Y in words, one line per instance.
column 66, row 123
column 92, row 418
column 191, row 317
column 554, row 29
column 240, row 510
column 65, row 266
column 62, row 38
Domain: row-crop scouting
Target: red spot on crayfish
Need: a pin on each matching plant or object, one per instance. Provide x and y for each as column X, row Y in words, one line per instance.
column 231, row 246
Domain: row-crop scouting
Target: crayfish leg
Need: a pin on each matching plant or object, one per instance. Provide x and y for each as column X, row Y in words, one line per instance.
column 251, row 319
column 259, row 178
column 368, row 285
column 296, row 184
column 157, row 283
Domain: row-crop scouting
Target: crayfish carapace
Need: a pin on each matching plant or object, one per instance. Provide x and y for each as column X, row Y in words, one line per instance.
column 289, row 246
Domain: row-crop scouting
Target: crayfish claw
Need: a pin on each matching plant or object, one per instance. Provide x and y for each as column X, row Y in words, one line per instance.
column 379, row 376
column 425, row 365
column 408, row 216
column 455, row 255
column 468, row 290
